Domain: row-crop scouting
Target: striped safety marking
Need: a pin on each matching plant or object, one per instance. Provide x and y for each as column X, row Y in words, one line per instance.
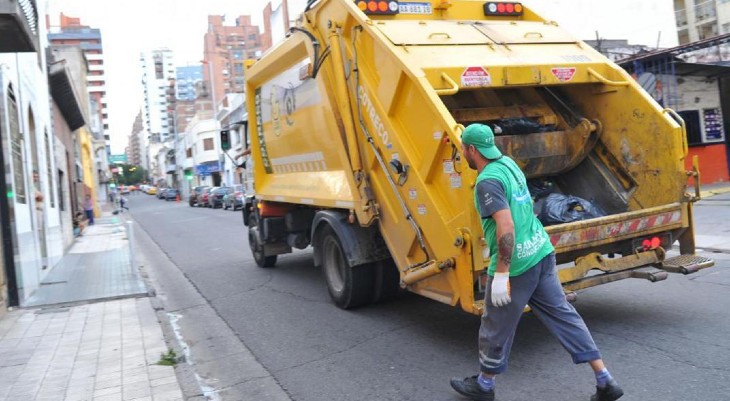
column 618, row 229
column 301, row 163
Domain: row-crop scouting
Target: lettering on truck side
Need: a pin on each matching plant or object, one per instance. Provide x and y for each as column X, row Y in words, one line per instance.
column 377, row 124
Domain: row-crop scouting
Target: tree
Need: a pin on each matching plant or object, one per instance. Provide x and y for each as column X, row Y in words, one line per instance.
column 130, row 174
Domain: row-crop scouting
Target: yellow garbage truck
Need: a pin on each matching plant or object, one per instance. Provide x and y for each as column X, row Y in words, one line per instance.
column 354, row 122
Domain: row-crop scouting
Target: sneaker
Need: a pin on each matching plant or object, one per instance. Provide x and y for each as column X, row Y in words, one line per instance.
column 611, row 392
column 470, row 388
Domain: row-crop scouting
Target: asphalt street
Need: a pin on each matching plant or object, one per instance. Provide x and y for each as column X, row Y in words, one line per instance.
column 662, row 341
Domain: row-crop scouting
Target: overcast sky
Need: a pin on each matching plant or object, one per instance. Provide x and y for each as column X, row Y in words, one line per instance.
column 130, row 26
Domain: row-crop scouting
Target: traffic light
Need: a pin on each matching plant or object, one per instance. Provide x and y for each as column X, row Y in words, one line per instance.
column 225, row 139
column 189, row 175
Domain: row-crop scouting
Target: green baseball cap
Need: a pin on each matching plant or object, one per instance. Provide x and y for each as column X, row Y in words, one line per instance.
column 482, row 137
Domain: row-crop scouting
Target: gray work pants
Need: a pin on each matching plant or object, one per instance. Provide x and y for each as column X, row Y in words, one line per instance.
column 540, row 288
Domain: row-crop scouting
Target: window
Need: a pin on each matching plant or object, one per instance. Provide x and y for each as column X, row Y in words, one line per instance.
column 49, row 169
column 16, row 149
column 694, row 129
column 61, row 195
column 189, row 153
column 208, row 144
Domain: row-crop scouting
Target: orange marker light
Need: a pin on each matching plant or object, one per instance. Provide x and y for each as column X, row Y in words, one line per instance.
column 372, row 6
column 518, row 8
column 362, row 5
column 382, row 6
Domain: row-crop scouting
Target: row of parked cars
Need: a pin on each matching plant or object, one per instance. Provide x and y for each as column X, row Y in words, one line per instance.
column 168, row 194
column 217, row 197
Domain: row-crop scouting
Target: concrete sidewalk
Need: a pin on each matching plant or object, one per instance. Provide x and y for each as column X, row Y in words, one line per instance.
column 106, row 350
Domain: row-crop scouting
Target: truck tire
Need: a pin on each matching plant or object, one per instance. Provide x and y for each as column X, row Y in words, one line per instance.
column 349, row 287
column 387, row 280
column 257, row 249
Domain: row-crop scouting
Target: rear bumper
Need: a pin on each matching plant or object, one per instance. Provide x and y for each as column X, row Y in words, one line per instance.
column 650, row 265
column 595, row 233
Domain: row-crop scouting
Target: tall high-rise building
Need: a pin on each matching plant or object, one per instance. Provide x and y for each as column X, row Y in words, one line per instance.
column 185, row 80
column 134, row 149
column 279, row 17
column 70, row 32
column 158, row 83
column 225, row 50
column 701, row 19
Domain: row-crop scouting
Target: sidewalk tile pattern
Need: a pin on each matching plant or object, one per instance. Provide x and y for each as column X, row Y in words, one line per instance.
column 89, row 276
column 101, row 351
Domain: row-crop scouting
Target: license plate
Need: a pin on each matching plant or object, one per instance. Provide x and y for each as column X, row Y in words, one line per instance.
column 415, row 8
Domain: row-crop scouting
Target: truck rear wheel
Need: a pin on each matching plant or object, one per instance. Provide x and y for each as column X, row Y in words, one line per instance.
column 349, row 287
column 257, row 248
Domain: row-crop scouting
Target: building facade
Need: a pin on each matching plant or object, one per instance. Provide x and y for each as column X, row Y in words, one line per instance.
column 70, row 32
column 279, row 17
column 30, row 226
column 158, row 73
column 67, row 77
column 225, row 50
column 701, row 19
column 134, row 148
column 186, row 79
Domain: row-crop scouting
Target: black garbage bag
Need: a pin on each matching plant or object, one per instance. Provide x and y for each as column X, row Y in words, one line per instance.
column 521, row 126
column 559, row 208
column 540, row 188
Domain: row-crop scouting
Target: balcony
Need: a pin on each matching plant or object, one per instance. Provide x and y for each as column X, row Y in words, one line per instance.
column 18, row 26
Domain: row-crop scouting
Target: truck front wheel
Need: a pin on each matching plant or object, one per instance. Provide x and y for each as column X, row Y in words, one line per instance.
column 257, row 248
column 349, row 287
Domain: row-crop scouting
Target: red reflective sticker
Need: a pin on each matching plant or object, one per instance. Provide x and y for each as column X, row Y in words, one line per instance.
column 564, row 74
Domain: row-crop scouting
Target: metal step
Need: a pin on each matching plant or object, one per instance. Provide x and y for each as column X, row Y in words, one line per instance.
column 686, row 264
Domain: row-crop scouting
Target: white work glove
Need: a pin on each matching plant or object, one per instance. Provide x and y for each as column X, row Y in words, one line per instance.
column 500, row 289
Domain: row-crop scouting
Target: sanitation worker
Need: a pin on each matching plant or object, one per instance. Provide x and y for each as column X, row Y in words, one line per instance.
column 522, row 272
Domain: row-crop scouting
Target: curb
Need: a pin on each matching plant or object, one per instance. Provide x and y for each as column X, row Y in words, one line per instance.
column 712, row 192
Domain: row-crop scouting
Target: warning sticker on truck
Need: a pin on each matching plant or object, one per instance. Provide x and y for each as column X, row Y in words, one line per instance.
column 475, row 76
column 563, row 74
column 448, row 166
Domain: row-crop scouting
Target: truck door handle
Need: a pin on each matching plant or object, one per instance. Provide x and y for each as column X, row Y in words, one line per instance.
column 533, row 34
column 604, row 80
column 447, row 91
column 444, row 34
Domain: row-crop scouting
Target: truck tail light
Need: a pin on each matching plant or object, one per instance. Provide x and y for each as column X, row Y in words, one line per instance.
column 495, row 8
column 655, row 241
column 378, row 7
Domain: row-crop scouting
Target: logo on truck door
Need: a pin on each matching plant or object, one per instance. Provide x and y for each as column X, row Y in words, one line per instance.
column 375, row 120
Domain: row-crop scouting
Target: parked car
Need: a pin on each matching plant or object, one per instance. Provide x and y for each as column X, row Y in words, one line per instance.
column 203, row 199
column 152, row 190
column 171, row 194
column 195, row 193
column 215, row 199
column 234, row 199
column 161, row 193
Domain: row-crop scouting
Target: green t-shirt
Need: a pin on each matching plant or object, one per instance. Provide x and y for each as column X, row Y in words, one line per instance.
column 501, row 185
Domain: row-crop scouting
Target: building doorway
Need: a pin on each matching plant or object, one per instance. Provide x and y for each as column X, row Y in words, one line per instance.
column 37, row 190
